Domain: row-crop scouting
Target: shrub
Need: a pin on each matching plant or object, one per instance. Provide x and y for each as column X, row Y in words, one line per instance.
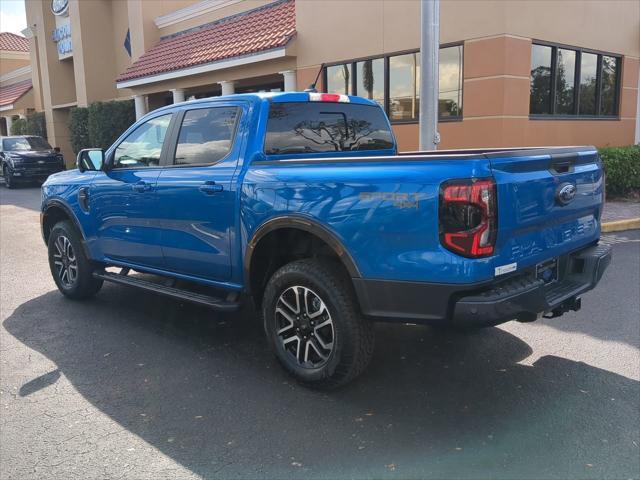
column 107, row 120
column 79, row 129
column 622, row 168
column 36, row 124
column 19, row 127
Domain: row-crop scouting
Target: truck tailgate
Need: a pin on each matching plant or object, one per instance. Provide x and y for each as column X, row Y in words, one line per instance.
column 549, row 202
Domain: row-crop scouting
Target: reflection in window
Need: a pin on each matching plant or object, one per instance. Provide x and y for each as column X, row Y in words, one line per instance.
column 540, row 79
column 370, row 75
column 565, row 81
column 339, row 79
column 404, row 81
column 143, row 146
column 206, row 135
column 403, row 74
column 608, row 91
column 554, row 82
column 588, row 84
column 325, row 127
column 450, row 82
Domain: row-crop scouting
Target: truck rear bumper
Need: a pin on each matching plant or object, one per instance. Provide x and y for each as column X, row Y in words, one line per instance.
column 523, row 297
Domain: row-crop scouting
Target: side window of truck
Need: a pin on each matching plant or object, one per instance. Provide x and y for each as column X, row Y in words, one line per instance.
column 142, row 147
column 206, row 135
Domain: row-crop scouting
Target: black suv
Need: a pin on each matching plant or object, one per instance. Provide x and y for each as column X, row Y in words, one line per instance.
column 28, row 158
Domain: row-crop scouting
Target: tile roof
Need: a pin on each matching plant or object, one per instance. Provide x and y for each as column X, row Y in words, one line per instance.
column 15, row 43
column 258, row 30
column 9, row 94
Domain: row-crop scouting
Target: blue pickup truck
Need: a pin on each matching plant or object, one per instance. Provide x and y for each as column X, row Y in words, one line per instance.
column 301, row 203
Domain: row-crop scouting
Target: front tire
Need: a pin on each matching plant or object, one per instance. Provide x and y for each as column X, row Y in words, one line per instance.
column 71, row 269
column 314, row 326
column 9, row 182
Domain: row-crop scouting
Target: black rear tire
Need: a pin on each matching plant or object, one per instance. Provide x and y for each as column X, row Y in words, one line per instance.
column 71, row 269
column 330, row 297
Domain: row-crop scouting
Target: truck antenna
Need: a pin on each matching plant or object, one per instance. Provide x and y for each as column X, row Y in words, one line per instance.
column 312, row 87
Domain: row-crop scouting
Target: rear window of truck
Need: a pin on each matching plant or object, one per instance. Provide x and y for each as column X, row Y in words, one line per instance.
column 307, row 127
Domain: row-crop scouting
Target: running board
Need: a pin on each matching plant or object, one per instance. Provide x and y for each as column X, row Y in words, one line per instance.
column 214, row 303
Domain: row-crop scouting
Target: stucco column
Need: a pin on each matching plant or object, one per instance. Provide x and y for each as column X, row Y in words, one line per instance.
column 178, row 95
column 9, row 121
column 290, row 81
column 637, row 140
column 228, row 88
column 141, row 105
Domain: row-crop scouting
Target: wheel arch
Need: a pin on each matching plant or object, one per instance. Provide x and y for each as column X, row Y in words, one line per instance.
column 54, row 212
column 309, row 227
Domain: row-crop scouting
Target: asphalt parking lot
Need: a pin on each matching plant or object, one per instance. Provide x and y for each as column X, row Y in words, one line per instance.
column 130, row 385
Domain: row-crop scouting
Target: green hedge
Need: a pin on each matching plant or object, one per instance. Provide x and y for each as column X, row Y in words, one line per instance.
column 19, row 127
column 622, row 168
column 79, row 129
column 100, row 124
column 34, row 124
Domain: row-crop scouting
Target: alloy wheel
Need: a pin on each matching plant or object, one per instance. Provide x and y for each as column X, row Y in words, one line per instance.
column 304, row 326
column 64, row 259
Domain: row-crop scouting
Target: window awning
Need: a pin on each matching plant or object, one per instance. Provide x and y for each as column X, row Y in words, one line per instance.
column 255, row 35
column 10, row 94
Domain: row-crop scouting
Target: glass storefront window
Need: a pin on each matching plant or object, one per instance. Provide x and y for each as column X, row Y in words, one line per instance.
column 540, row 79
column 404, row 84
column 403, row 74
column 588, row 84
column 450, row 82
column 608, row 91
column 565, row 81
column 370, row 77
column 339, row 79
column 554, row 82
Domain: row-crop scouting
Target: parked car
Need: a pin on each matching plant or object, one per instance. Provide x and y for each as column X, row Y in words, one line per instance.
column 301, row 202
column 26, row 158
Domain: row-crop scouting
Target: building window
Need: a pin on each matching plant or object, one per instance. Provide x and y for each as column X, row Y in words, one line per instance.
column 339, row 79
column 394, row 82
column 404, row 87
column 370, row 80
column 570, row 82
column 450, row 81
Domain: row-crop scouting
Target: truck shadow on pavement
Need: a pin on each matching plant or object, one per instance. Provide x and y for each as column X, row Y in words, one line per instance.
column 204, row 390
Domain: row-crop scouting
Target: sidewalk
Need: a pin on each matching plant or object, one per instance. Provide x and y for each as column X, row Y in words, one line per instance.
column 618, row 216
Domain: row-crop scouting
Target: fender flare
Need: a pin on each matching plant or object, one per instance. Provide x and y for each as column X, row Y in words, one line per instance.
column 305, row 224
column 62, row 206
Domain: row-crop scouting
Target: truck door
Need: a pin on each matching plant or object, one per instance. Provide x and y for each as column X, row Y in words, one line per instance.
column 123, row 199
column 196, row 195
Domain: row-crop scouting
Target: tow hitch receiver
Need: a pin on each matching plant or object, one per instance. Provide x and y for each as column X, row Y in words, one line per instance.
column 573, row 304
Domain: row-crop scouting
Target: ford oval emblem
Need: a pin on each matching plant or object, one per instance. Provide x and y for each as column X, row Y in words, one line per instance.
column 566, row 193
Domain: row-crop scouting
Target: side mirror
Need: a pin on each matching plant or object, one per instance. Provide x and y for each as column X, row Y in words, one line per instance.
column 56, row 149
column 90, row 159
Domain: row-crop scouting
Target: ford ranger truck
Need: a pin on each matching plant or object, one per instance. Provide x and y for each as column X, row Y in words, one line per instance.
column 301, row 203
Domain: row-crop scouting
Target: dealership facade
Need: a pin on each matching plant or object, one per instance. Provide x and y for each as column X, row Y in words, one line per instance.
column 512, row 73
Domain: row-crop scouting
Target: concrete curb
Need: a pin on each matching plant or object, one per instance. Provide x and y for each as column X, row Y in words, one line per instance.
column 621, row 225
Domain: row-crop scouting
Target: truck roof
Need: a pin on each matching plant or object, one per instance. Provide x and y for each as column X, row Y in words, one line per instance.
column 276, row 97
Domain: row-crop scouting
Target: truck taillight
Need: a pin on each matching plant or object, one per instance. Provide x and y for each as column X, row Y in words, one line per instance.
column 328, row 97
column 468, row 217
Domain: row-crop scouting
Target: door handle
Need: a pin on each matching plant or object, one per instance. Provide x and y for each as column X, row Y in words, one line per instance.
column 141, row 186
column 210, row 188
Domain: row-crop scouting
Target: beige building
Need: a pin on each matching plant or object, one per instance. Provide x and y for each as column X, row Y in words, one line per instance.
column 16, row 89
column 512, row 73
